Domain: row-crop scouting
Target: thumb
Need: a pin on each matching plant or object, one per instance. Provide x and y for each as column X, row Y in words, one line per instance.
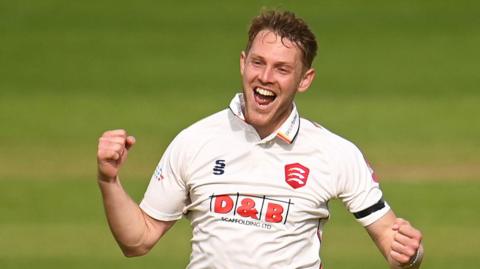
column 129, row 142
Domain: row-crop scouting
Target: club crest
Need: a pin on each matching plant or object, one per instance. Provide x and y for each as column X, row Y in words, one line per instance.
column 296, row 175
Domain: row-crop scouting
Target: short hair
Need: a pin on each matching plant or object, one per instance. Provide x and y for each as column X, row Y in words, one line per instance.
column 286, row 25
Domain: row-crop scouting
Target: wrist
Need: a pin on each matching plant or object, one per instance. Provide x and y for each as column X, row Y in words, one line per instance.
column 102, row 177
column 106, row 179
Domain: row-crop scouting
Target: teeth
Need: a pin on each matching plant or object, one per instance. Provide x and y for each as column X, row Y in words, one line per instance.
column 264, row 92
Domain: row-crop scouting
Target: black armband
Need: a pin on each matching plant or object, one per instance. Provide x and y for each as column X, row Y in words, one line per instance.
column 369, row 210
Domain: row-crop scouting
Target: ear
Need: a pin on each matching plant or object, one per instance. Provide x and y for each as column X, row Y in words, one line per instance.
column 243, row 57
column 306, row 80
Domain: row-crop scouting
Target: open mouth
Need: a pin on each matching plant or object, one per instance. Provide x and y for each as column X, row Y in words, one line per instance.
column 263, row 96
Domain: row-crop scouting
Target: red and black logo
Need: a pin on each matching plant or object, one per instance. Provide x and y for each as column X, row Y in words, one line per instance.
column 296, row 175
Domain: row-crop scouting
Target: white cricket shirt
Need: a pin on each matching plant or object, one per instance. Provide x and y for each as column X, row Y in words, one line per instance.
column 259, row 203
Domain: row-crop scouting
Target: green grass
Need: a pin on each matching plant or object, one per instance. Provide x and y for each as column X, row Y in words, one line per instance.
column 58, row 224
column 398, row 78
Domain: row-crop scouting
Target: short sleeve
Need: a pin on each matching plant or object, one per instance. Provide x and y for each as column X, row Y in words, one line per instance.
column 166, row 194
column 357, row 186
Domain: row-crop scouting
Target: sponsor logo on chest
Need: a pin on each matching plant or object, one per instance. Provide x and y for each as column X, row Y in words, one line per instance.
column 258, row 210
column 250, row 207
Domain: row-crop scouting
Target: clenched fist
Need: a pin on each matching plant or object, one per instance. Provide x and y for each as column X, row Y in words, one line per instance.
column 112, row 152
column 406, row 249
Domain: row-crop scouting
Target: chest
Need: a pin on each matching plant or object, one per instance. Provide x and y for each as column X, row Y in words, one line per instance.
column 270, row 183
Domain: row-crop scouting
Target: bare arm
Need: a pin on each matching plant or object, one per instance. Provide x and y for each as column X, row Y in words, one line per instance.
column 399, row 242
column 135, row 231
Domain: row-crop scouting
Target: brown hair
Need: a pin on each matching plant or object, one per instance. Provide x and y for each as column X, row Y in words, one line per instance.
column 286, row 25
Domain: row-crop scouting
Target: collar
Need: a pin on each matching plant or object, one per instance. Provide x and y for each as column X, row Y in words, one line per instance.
column 288, row 130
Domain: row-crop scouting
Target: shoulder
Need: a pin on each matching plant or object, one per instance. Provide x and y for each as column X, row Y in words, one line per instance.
column 203, row 129
column 188, row 141
column 340, row 153
column 318, row 135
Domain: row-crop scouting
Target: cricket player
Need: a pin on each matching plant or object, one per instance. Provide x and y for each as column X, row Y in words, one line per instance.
column 255, row 179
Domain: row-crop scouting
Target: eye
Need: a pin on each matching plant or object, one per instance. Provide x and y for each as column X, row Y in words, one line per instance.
column 283, row 70
column 256, row 62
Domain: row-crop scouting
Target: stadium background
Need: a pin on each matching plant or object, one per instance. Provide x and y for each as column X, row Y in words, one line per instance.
column 398, row 78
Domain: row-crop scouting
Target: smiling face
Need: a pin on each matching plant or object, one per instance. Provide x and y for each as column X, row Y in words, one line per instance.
column 272, row 73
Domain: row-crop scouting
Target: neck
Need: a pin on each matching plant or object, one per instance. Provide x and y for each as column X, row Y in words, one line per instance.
column 272, row 124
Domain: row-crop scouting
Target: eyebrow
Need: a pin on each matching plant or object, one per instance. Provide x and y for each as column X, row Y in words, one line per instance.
column 279, row 63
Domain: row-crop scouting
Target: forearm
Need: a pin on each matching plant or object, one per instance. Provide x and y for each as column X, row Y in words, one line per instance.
column 125, row 218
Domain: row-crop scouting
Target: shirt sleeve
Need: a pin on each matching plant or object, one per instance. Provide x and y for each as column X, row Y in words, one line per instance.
column 357, row 186
column 166, row 194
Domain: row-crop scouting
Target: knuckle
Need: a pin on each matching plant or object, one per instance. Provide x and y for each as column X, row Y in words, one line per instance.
column 397, row 237
column 404, row 259
column 418, row 235
column 117, row 147
column 115, row 132
column 122, row 132
column 416, row 245
column 403, row 223
column 396, row 246
column 102, row 154
column 400, row 257
column 410, row 252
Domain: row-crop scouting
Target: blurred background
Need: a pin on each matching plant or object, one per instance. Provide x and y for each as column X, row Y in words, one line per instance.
column 398, row 78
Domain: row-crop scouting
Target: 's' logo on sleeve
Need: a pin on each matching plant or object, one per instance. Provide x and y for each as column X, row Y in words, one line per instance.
column 296, row 175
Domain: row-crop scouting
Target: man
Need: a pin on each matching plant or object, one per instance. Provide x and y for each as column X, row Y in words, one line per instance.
column 255, row 179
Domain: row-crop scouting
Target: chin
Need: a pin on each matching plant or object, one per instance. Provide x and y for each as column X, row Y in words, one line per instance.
column 258, row 121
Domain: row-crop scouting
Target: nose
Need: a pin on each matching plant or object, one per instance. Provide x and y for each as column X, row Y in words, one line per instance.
column 266, row 75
